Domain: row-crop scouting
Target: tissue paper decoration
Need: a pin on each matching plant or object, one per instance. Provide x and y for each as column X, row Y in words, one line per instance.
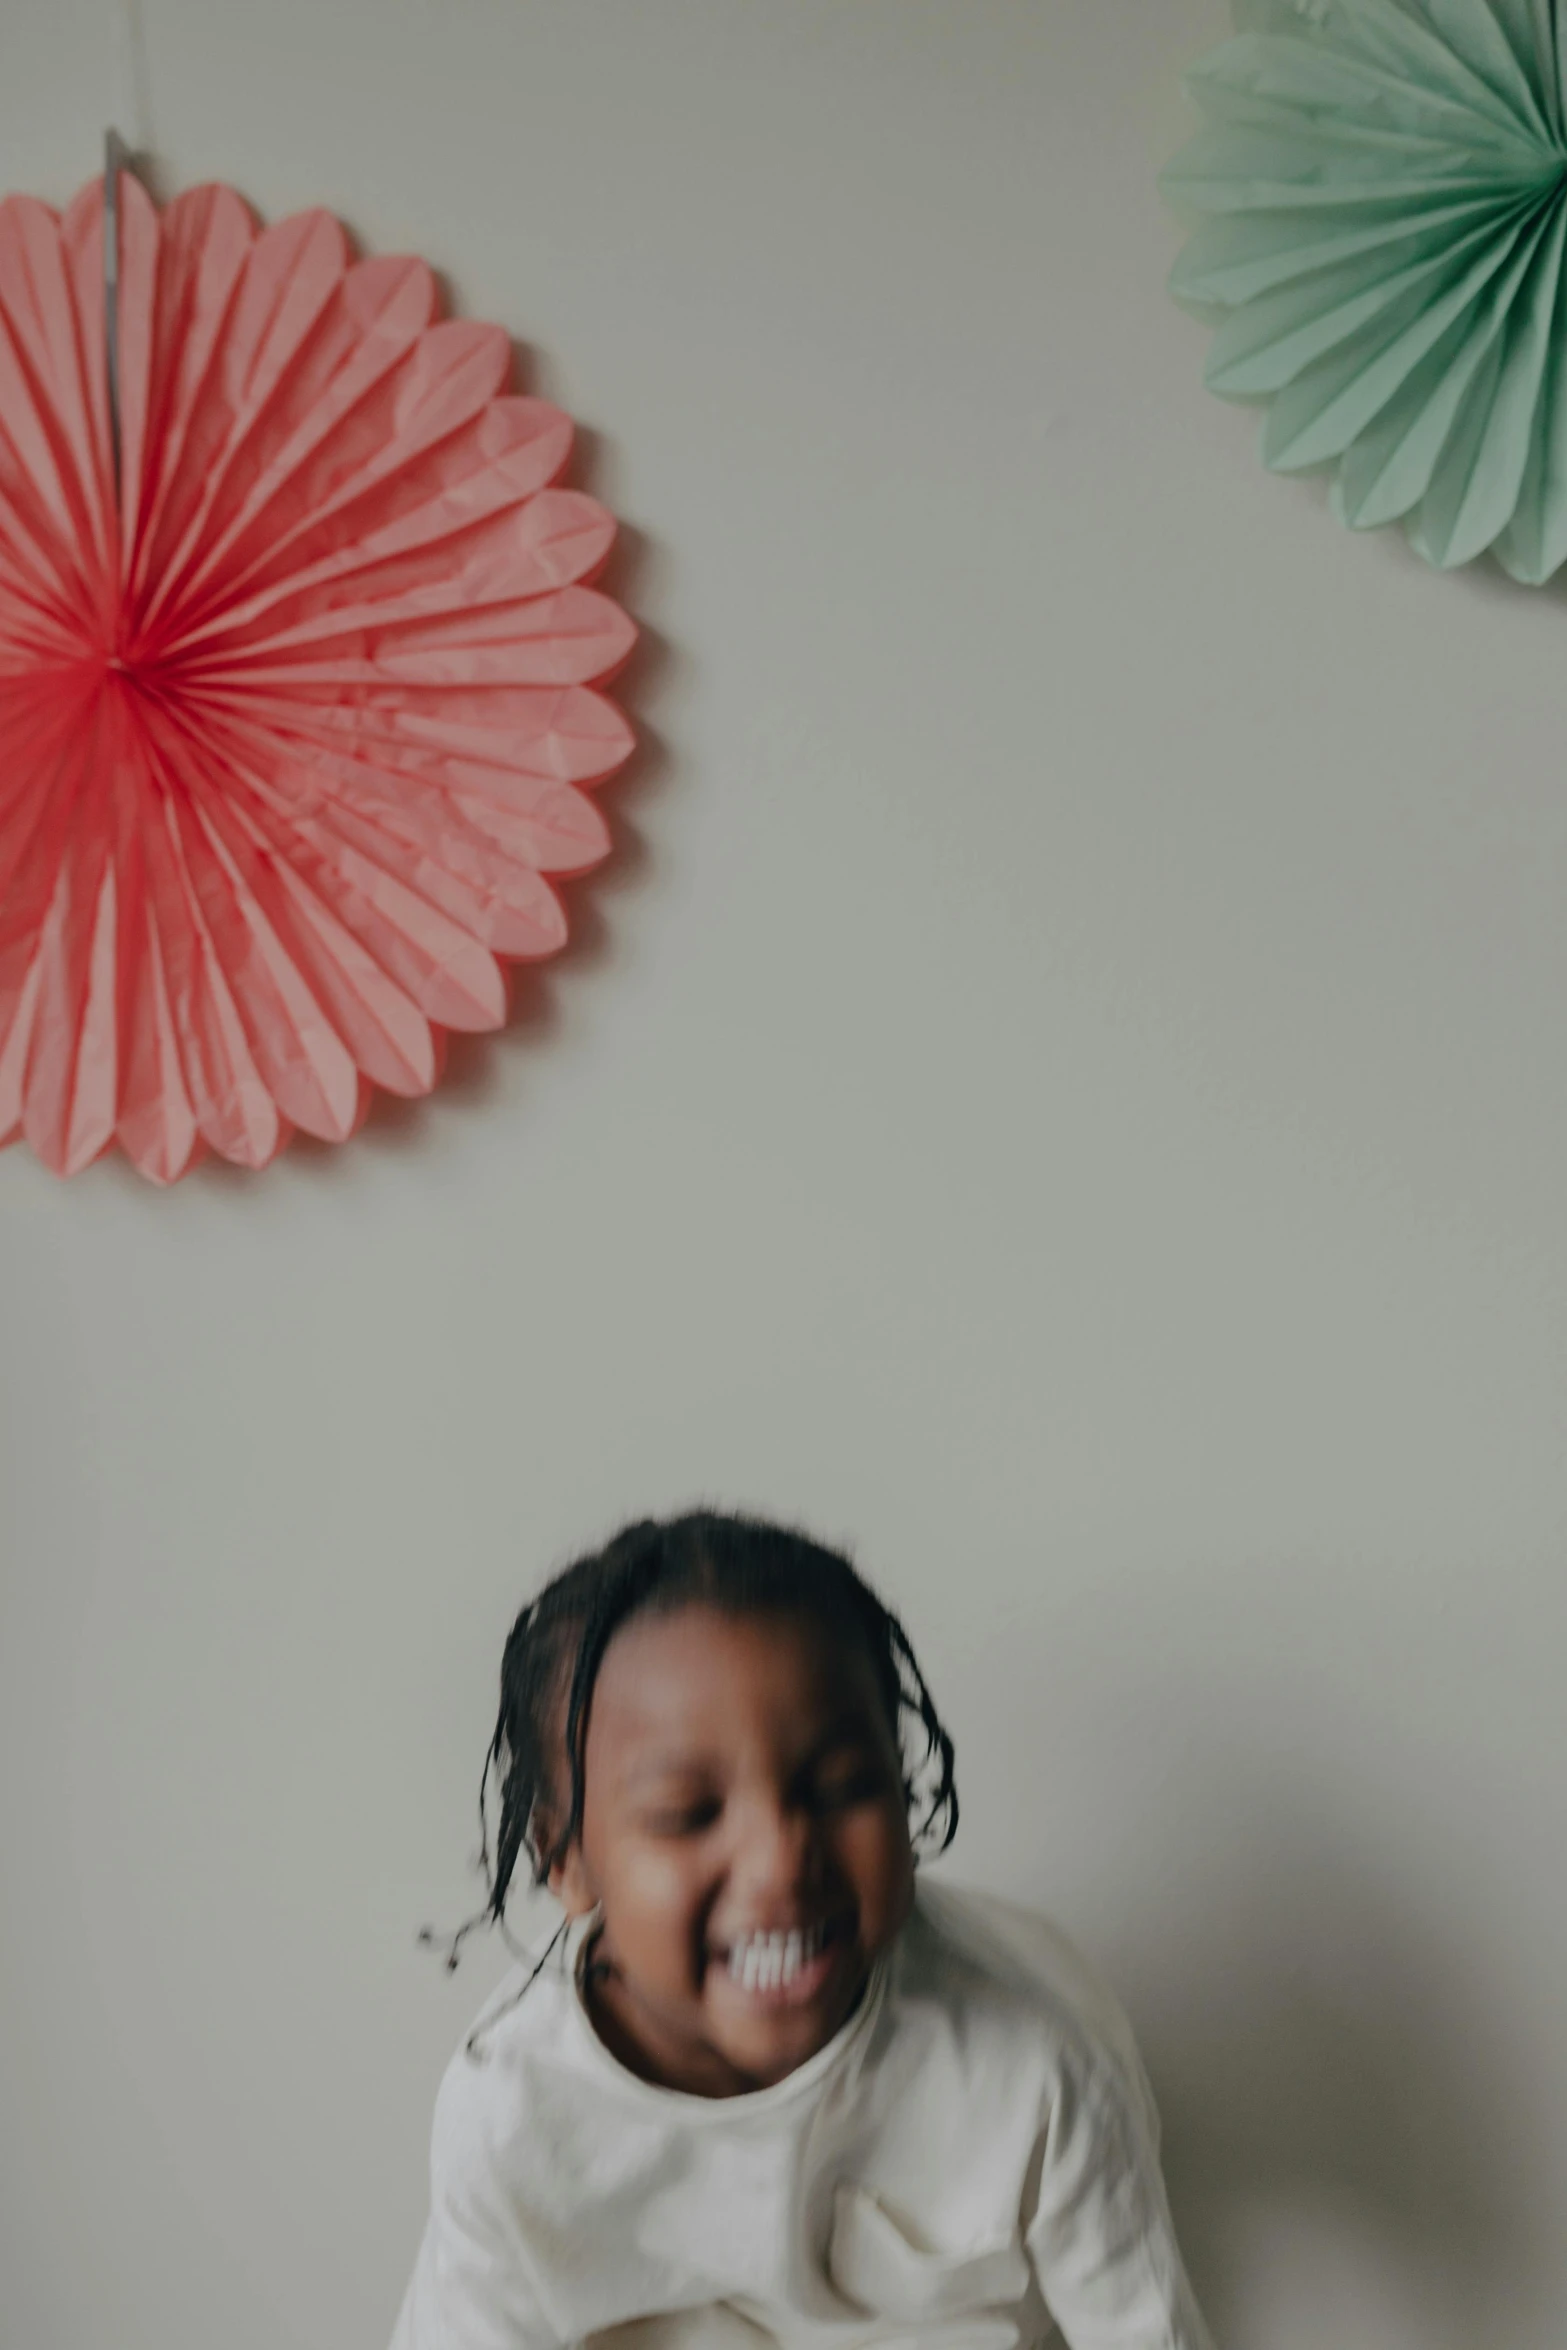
column 294, row 726
column 1383, row 198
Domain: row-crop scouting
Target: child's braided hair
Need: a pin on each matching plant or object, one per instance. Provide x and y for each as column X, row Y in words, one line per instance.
column 738, row 1564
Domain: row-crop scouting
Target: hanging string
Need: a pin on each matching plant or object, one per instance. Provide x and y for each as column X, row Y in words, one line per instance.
column 128, row 106
column 115, row 158
column 128, row 100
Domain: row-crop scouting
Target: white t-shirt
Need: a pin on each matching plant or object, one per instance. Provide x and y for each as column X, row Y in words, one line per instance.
column 974, row 2155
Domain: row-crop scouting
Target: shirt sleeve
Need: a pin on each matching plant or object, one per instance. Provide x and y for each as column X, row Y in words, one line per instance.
column 472, row 2286
column 1100, row 2236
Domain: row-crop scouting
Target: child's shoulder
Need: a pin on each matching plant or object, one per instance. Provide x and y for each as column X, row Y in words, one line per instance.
column 1015, row 1948
column 519, row 2038
column 984, row 1953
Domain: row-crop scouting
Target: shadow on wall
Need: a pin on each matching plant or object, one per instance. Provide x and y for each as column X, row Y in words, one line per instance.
column 1347, row 2140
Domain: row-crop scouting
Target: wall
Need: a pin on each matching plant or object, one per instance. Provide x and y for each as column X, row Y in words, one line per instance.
column 1063, row 1083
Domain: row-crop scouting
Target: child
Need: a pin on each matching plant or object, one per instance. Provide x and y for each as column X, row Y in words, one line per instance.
column 770, row 2090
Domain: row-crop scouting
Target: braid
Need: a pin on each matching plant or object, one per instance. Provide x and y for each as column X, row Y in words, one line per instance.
column 554, row 1651
column 631, row 1569
column 550, row 1644
column 941, row 1811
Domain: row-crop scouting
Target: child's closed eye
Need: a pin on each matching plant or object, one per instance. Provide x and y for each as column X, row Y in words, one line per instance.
column 684, row 1819
column 842, row 1789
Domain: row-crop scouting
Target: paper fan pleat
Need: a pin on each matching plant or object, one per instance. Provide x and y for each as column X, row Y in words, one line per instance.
column 438, row 478
column 515, row 556
column 290, row 276
column 33, row 847
column 560, row 639
column 179, row 271
column 1378, row 205
column 68, row 1113
column 157, row 1124
column 274, row 496
column 55, row 353
column 425, row 839
column 567, row 734
column 298, row 731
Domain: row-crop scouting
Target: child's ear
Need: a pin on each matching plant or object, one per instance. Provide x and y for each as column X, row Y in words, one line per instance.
column 568, row 1881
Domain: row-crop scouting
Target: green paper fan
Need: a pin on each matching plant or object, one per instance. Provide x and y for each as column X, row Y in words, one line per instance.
column 1380, row 197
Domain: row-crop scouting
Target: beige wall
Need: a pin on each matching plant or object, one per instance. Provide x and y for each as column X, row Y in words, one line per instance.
column 1067, row 1084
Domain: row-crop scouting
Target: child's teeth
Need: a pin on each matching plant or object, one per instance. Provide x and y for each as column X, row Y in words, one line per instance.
column 764, row 1961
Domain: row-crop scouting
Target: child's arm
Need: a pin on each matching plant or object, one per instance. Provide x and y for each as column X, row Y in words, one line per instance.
column 1100, row 2237
column 1097, row 2226
column 472, row 2287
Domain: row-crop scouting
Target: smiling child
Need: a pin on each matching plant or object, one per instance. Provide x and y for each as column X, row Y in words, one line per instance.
column 764, row 2088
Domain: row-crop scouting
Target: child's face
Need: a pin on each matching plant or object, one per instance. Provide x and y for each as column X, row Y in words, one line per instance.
column 746, row 1832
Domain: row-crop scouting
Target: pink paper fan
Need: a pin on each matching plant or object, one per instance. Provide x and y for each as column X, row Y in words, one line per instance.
column 295, row 730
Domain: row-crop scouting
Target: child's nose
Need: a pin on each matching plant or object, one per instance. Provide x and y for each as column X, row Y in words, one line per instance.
column 774, row 1848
